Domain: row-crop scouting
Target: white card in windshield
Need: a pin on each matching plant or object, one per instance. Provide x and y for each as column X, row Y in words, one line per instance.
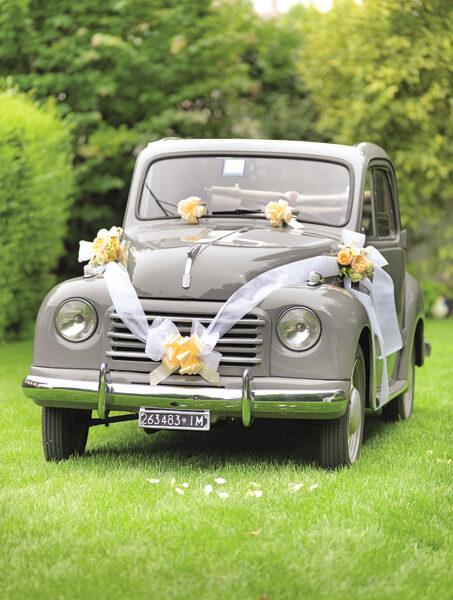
column 233, row 167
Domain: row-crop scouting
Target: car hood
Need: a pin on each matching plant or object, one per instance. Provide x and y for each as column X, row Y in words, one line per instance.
column 229, row 255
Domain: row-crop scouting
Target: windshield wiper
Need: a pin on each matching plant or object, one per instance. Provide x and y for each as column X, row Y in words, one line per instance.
column 237, row 211
column 159, row 203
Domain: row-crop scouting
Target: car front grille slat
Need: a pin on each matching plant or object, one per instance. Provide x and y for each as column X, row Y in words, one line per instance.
column 185, row 329
column 241, row 346
column 128, row 340
column 141, row 356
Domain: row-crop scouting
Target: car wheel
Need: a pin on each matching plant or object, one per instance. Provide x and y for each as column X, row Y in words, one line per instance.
column 402, row 406
column 341, row 439
column 64, row 432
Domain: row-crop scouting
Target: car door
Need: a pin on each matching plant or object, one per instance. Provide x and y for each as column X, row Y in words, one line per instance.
column 381, row 224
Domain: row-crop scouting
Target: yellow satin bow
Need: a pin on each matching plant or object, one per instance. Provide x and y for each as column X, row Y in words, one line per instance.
column 182, row 353
column 191, row 210
column 277, row 212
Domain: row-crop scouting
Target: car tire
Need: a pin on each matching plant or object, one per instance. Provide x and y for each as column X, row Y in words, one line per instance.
column 64, row 432
column 341, row 439
column 402, row 406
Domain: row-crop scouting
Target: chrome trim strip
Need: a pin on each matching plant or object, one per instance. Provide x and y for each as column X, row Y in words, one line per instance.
column 133, row 342
column 34, row 382
column 122, row 355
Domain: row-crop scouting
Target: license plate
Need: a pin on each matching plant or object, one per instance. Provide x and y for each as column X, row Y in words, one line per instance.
column 153, row 418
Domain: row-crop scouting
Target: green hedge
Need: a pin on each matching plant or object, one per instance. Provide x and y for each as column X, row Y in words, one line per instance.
column 36, row 185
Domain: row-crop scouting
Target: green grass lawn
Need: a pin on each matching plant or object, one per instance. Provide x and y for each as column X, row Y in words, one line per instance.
column 95, row 527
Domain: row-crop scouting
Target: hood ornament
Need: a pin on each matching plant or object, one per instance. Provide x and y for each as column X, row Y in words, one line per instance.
column 191, row 255
column 193, row 252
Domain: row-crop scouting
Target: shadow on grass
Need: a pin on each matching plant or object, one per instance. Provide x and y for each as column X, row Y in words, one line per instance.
column 265, row 441
column 374, row 426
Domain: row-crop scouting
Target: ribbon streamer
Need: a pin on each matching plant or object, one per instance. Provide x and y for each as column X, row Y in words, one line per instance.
column 377, row 297
column 196, row 355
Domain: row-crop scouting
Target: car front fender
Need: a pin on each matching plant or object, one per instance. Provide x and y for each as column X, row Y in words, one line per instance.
column 343, row 320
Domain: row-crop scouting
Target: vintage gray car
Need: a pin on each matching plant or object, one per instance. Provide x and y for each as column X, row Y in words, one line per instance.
column 308, row 350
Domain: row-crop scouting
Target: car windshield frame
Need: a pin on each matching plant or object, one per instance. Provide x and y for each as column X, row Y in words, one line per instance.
column 244, row 155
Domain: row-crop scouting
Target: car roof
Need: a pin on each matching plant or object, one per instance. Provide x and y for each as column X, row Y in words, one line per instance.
column 358, row 154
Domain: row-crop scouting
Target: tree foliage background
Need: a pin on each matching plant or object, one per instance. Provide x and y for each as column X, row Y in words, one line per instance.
column 126, row 72
column 36, row 183
column 383, row 71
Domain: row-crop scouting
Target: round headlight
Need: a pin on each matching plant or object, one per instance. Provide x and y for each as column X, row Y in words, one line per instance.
column 299, row 328
column 75, row 320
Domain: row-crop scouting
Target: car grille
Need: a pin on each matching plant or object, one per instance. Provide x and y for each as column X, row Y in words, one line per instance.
column 241, row 347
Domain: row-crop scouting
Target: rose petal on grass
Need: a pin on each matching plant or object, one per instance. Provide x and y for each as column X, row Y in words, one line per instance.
column 173, row 482
column 254, row 484
column 294, row 487
column 219, row 480
column 254, row 494
column 313, row 487
column 222, row 494
column 153, row 480
column 179, row 491
column 208, row 489
column 255, row 532
column 185, row 485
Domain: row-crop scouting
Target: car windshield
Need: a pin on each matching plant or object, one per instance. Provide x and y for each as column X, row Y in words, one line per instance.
column 317, row 191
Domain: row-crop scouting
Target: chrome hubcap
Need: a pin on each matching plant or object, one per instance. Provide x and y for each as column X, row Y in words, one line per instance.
column 408, row 397
column 355, row 420
column 354, row 412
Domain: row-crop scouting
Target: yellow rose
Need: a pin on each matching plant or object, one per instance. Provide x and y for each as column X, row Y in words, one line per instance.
column 109, row 252
column 98, row 244
column 344, row 258
column 359, row 264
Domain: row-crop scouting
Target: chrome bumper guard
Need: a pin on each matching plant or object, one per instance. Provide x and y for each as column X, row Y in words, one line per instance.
column 244, row 402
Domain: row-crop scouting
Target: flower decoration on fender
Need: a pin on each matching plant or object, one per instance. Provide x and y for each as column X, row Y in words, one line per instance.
column 191, row 209
column 278, row 213
column 354, row 262
column 189, row 355
column 105, row 248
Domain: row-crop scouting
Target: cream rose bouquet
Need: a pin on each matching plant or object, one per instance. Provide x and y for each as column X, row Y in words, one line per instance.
column 108, row 248
column 105, row 248
column 353, row 262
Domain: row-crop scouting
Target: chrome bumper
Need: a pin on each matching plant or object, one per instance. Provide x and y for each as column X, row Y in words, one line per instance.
column 247, row 401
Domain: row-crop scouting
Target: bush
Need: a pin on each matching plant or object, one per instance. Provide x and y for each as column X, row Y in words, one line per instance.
column 36, row 184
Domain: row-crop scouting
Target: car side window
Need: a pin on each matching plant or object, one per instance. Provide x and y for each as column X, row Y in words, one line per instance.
column 378, row 215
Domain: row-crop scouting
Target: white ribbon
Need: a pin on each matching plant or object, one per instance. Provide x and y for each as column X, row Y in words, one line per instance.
column 256, row 290
column 376, row 297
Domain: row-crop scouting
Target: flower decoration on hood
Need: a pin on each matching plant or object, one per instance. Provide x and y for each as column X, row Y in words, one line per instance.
column 278, row 212
column 354, row 262
column 191, row 209
column 105, row 248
